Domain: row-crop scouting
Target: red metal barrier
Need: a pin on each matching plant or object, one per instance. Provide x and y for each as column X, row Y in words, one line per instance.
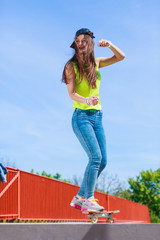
column 9, row 195
column 27, row 196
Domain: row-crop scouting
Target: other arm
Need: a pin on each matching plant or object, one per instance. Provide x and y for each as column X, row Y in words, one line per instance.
column 106, row 61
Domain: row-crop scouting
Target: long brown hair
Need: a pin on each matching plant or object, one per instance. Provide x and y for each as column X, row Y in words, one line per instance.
column 86, row 65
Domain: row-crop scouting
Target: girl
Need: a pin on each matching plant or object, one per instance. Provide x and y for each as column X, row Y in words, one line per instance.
column 82, row 76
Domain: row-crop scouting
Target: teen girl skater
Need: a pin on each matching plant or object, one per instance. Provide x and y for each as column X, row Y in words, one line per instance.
column 83, row 78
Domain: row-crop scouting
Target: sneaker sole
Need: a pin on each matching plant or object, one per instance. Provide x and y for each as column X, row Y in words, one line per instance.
column 86, row 210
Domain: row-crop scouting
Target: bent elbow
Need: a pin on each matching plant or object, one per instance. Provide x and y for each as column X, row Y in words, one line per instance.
column 122, row 57
column 71, row 95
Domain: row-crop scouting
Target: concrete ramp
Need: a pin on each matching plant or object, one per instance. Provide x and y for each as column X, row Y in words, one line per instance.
column 78, row 231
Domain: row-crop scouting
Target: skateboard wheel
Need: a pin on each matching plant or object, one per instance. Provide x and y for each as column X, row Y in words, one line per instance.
column 110, row 220
column 94, row 219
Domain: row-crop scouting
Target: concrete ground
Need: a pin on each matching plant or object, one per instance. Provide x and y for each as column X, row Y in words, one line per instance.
column 79, row 231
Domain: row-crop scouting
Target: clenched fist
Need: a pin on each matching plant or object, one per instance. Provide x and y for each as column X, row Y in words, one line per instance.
column 104, row 43
column 93, row 100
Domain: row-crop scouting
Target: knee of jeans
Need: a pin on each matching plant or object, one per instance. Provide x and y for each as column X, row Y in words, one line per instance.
column 97, row 159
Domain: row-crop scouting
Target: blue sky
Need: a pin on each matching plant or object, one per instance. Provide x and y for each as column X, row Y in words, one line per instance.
column 35, row 109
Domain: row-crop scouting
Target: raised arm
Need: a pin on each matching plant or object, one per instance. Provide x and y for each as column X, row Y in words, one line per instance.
column 106, row 61
column 70, row 81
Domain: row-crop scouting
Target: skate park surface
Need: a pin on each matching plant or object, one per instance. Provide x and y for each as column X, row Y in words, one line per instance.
column 79, row 231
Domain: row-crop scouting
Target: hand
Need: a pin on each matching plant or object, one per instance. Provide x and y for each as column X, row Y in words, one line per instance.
column 93, row 100
column 104, row 43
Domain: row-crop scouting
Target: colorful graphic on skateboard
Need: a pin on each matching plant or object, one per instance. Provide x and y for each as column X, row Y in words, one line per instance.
column 94, row 215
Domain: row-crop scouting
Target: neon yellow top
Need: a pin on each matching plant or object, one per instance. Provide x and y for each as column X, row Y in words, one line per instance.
column 84, row 90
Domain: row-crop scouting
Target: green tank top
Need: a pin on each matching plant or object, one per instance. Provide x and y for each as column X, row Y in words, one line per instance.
column 84, row 90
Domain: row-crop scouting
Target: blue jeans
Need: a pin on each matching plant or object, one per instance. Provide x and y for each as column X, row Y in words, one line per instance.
column 87, row 126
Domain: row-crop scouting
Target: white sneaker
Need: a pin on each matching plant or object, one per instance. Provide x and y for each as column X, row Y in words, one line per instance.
column 76, row 203
column 91, row 205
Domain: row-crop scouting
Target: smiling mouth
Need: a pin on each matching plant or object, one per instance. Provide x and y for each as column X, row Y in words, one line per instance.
column 81, row 48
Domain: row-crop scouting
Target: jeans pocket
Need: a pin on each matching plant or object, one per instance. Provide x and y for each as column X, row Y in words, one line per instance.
column 82, row 115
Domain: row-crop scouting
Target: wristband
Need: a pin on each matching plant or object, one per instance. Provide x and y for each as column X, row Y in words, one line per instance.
column 87, row 100
column 109, row 43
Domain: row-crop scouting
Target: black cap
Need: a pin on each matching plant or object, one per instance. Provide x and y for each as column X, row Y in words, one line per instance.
column 82, row 31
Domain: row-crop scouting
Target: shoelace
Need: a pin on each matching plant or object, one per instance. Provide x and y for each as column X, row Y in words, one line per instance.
column 94, row 201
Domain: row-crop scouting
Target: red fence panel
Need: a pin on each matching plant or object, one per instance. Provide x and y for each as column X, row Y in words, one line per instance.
column 9, row 195
column 129, row 211
column 28, row 196
column 46, row 198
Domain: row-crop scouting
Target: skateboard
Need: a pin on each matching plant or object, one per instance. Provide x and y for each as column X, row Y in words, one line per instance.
column 94, row 215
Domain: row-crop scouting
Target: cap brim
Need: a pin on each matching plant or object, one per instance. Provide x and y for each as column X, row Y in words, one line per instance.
column 72, row 45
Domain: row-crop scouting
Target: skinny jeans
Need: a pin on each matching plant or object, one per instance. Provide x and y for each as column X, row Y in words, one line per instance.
column 87, row 126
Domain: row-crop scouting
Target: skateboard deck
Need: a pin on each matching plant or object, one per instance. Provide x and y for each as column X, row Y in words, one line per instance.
column 94, row 215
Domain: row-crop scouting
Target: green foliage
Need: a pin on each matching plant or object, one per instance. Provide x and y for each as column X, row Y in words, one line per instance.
column 154, row 218
column 146, row 190
column 126, row 194
column 44, row 174
column 16, row 221
column 57, row 176
column 66, row 181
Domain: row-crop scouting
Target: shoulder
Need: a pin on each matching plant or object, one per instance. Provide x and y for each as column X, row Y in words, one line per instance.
column 69, row 65
column 69, row 72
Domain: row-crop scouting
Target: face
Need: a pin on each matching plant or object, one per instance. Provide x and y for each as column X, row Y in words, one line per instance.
column 81, row 43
